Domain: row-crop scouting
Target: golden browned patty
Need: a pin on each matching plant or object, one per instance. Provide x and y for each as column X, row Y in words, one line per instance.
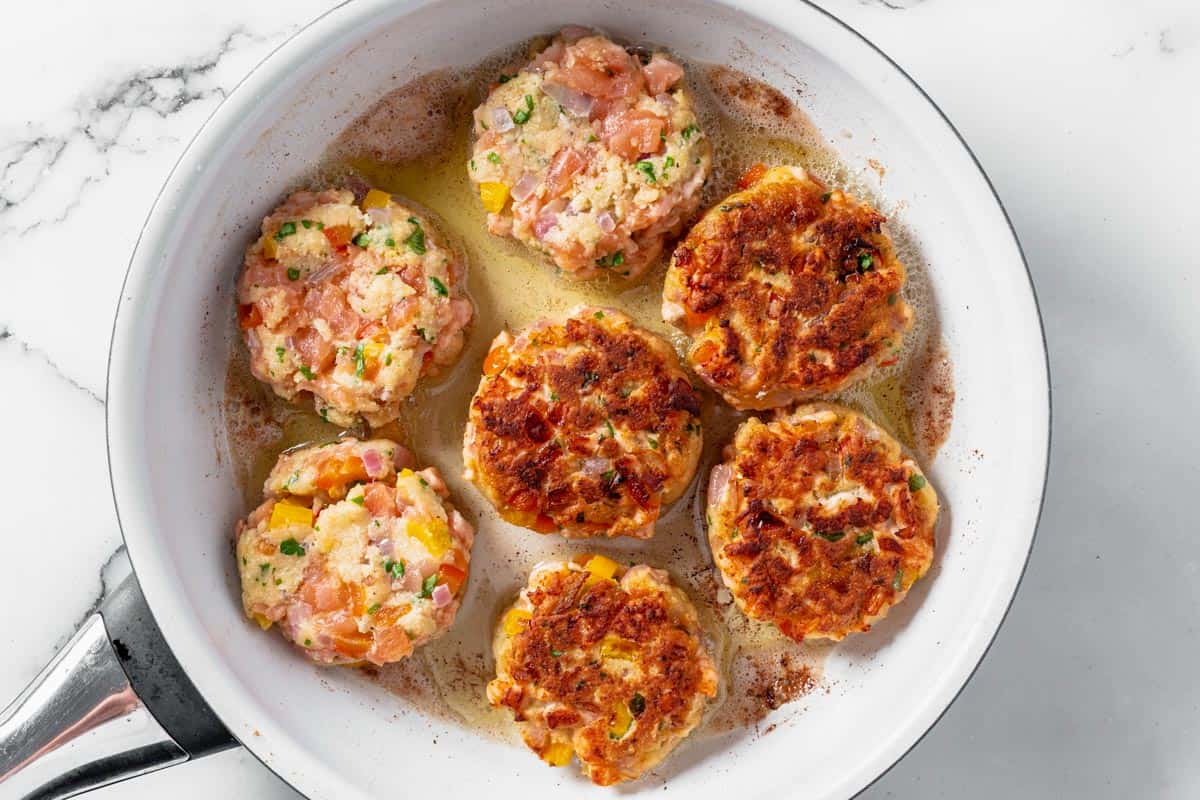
column 818, row 522
column 788, row 290
column 587, row 426
column 603, row 663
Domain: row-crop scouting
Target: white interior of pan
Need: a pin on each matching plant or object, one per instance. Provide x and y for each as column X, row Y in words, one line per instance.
column 334, row 735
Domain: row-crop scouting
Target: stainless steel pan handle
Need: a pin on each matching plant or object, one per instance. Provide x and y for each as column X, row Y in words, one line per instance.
column 113, row 704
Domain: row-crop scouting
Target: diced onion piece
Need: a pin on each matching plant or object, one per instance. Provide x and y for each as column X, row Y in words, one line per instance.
column 373, row 463
column 718, row 479
column 502, row 121
column 524, row 187
column 494, row 196
column 285, row 514
column 376, row 199
column 577, row 104
column 433, row 533
column 441, row 595
column 379, row 216
column 515, row 621
column 594, row 466
column 606, row 221
column 622, row 720
column 558, row 754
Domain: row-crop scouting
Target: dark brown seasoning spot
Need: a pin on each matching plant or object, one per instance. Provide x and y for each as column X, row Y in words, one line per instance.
column 759, row 683
column 931, row 397
column 753, row 96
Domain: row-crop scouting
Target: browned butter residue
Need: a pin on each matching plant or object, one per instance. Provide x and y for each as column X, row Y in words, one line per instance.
column 415, row 142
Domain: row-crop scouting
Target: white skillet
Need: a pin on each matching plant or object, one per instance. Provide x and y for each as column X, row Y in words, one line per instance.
column 333, row 734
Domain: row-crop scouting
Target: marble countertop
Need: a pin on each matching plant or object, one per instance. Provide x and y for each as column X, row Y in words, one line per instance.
column 1083, row 113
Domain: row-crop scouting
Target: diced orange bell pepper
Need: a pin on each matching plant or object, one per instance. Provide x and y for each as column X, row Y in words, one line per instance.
column 752, row 176
column 339, row 235
column 497, row 360
column 494, row 196
column 351, row 644
column 376, row 199
column 336, row 473
column 452, row 576
column 705, row 352
column 372, row 351
column 696, row 319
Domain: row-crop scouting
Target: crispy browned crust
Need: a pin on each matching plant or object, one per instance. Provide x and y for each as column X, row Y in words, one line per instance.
column 788, row 291
column 811, row 571
column 557, row 662
column 540, row 416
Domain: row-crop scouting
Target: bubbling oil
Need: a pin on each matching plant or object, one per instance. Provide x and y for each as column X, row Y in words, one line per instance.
column 415, row 142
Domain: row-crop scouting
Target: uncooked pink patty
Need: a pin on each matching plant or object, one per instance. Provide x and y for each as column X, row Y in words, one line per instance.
column 590, row 155
column 352, row 302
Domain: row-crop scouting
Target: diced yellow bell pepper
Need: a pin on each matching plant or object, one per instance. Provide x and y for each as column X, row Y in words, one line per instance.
column 262, row 621
column 614, row 647
column 558, row 754
column 270, row 247
column 433, row 533
column 600, row 569
column 515, row 621
column 371, row 352
column 376, row 199
column 286, row 513
column 622, row 722
column 493, row 195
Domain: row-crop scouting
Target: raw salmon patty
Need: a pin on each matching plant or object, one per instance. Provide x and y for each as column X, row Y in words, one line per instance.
column 351, row 302
column 590, row 154
column 352, row 554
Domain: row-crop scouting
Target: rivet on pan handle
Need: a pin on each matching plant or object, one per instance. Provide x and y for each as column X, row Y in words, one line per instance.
column 114, row 703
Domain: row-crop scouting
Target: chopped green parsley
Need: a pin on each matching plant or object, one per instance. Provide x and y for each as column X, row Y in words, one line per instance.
column 290, row 547
column 416, row 239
